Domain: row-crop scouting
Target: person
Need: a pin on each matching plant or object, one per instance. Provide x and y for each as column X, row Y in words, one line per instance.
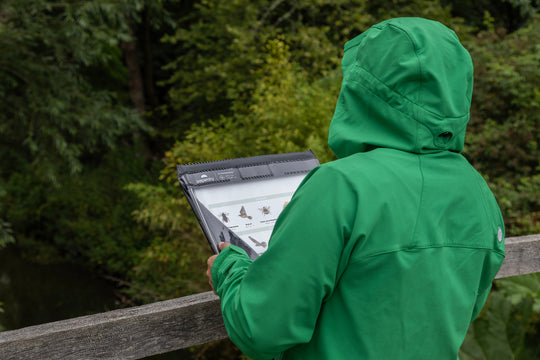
column 389, row 251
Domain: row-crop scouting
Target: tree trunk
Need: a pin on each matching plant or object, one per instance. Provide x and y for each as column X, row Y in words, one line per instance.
column 147, row 56
column 136, row 89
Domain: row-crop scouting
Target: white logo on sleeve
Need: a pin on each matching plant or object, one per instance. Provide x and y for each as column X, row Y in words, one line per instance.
column 499, row 234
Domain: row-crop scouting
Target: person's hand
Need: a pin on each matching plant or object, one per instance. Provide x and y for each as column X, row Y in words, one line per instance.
column 210, row 262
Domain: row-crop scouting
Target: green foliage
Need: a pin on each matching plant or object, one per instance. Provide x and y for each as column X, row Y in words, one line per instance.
column 221, row 46
column 61, row 183
column 6, row 234
column 88, row 219
column 517, row 288
column 509, row 324
column 172, row 263
column 490, row 14
column 503, row 133
column 48, row 105
column 286, row 113
column 1, row 311
column 520, row 204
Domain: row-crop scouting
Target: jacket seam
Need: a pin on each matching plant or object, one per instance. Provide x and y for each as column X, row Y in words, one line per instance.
column 405, row 249
column 421, row 199
column 398, row 94
column 416, row 49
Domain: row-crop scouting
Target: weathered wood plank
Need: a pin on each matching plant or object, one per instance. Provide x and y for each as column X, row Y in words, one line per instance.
column 522, row 256
column 132, row 333
column 165, row 326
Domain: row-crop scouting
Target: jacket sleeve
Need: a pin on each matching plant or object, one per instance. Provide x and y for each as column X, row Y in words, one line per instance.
column 273, row 303
column 493, row 261
column 480, row 302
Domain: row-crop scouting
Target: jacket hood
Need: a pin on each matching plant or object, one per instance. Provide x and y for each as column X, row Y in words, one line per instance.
column 407, row 84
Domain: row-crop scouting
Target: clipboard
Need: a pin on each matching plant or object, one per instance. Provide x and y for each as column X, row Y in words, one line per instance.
column 239, row 200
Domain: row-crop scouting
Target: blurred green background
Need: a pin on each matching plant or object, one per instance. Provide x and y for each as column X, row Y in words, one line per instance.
column 101, row 99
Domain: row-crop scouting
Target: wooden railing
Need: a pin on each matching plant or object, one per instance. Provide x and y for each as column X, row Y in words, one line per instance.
column 138, row 332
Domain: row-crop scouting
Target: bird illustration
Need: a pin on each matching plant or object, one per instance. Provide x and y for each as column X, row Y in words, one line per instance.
column 243, row 213
column 257, row 243
column 224, row 217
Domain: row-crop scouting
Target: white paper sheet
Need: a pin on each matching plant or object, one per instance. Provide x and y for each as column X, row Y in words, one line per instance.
column 250, row 209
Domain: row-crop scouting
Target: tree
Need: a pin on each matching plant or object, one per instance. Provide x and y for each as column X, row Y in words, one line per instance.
column 63, row 91
column 50, row 107
column 220, row 46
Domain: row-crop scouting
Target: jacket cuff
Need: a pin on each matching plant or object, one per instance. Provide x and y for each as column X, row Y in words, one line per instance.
column 224, row 262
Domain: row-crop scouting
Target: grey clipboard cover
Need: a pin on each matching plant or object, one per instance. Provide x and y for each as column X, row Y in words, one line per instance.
column 239, row 200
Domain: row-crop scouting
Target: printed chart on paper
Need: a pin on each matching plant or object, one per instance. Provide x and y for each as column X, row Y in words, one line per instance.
column 251, row 209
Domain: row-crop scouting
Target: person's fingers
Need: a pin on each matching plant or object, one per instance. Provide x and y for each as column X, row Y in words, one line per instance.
column 209, row 264
column 210, row 260
column 223, row 245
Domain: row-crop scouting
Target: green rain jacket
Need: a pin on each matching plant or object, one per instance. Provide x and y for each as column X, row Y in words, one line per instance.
column 388, row 252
